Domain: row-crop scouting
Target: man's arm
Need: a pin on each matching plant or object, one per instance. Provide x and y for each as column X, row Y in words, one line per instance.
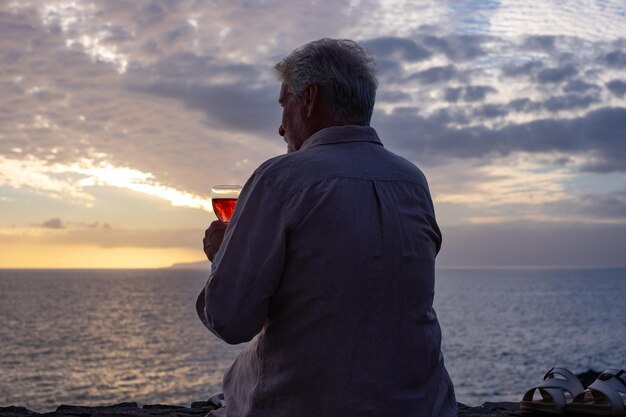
column 247, row 267
column 213, row 237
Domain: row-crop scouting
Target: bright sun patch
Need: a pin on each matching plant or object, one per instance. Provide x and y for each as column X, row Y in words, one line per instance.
column 59, row 180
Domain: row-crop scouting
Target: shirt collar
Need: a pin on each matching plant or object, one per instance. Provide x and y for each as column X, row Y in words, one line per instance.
column 341, row 134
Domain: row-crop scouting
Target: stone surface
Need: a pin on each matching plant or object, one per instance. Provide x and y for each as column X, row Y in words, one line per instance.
column 15, row 412
column 490, row 409
column 201, row 408
column 503, row 409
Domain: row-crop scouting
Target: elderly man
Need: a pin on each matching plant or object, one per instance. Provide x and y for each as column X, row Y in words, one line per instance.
column 330, row 260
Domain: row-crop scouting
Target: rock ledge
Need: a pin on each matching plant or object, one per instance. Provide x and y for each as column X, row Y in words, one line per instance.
column 201, row 408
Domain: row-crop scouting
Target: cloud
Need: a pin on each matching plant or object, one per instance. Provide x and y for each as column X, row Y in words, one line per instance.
column 556, row 74
column 60, row 180
column 517, row 70
column 599, row 133
column 397, row 48
column 580, row 86
column 592, row 23
column 525, row 105
column 490, row 111
column 608, row 208
column 570, row 102
column 54, row 223
column 617, row 88
column 445, row 116
column 554, row 104
column 188, row 66
column 534, row 244
column 504, row 186
column 59, row 104
column 457, row 48
column 233, row 89
column 611, row 205
column 184, row 92
column 540, row 43
column 391, row 96
column 526, row 186
column 452, row 95
column 36, row 174
column 435, row 75
column 470, row 93
column 228, row 106
column 477, row 92
column 615, row 59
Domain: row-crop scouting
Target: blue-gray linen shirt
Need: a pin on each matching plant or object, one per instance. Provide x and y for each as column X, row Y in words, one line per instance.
column 330, row 259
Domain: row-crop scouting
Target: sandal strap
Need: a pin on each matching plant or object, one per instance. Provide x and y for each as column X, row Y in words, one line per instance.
column 555, row 388
column 576, row 386
column 609, row 384
column 618, row 374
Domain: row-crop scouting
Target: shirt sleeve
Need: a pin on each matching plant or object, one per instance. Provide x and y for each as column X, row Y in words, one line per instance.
column 248, row 266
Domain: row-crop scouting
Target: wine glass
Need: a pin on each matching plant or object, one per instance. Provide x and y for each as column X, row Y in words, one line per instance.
column 224, row 199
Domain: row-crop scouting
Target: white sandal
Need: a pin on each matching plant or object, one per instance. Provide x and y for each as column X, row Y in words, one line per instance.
column 605, row 396
column 559, row 387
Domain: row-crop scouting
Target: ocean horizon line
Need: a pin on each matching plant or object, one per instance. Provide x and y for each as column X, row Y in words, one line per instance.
column 206, row 268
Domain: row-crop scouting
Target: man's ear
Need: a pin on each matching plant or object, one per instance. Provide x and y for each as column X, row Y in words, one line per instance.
column 311, row 99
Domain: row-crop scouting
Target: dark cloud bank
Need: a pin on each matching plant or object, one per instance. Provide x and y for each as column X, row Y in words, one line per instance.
column 566, row 81
column 534, row 244
column 601, row 133
column 239, row 104
column 458, row 131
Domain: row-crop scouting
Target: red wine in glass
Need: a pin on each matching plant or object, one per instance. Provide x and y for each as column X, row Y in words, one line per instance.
column 224, row 208
column 224, row 200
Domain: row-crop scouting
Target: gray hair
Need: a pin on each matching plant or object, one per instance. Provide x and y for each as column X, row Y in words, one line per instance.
column 344, row 72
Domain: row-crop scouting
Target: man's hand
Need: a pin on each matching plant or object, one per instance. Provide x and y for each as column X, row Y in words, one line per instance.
column 213, row 237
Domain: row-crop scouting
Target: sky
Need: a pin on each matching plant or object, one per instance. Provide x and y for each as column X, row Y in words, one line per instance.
column 117, row 117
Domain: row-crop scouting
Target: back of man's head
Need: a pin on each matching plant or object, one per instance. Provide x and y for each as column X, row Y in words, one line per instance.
column 344, row 72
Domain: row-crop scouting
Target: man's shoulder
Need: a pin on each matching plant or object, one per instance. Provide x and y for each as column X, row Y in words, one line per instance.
column 273, row 168
column 297, row 169
column 407, row 167
column 272, row 173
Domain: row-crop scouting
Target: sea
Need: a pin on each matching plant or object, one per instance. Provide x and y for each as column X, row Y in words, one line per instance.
column 97, row 337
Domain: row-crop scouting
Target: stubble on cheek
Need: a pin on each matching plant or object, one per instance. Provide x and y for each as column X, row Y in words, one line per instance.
column 289, row 146
column 296, row 136
column 299, row 134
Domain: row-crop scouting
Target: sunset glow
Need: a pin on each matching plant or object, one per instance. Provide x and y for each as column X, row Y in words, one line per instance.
column 83, row 256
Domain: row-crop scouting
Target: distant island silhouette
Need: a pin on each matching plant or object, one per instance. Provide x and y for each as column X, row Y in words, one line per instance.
column 191, row 265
